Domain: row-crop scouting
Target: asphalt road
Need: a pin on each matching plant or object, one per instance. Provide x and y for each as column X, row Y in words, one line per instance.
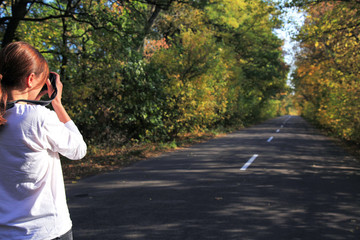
column 280, row 179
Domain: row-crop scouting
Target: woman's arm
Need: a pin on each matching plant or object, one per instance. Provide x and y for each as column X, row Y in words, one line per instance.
column 56, row 103
column 61, row 112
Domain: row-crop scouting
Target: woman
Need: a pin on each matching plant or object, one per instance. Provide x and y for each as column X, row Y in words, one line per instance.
column 32, row 193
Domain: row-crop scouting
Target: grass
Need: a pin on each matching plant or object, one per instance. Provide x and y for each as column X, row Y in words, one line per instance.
column 351, row 147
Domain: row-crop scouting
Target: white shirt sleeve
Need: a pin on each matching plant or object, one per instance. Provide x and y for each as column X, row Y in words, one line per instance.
column 72, row 127
column 65, row 139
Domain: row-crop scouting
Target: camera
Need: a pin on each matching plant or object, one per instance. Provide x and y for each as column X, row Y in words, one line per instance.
column 52, row 78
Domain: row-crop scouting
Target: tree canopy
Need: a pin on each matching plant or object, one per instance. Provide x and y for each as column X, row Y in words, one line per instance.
column 327, row 80
column 151, row 69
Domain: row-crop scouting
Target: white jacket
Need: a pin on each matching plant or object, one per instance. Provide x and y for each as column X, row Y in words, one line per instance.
column 32, row 192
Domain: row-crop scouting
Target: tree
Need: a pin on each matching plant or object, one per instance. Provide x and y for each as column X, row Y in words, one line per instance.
column 150, row 70
column 327, row 81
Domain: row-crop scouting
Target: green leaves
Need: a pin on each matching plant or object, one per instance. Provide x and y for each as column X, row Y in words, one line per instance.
column 327, row 78
column 132, row 72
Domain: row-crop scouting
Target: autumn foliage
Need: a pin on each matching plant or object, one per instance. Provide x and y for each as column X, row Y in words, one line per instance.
column 327, row 80
column 151, row 70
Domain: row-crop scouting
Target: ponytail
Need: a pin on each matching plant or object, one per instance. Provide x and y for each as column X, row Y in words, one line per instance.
column 17, row 61
column 3, row 99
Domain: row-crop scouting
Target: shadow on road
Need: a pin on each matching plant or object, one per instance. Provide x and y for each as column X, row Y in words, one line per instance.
column 301, row 186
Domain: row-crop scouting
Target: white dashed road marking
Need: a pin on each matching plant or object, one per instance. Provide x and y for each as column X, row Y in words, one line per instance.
column 249, row 162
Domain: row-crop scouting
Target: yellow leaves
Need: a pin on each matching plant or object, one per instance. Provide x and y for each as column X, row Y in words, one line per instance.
column 326, row 77
column 233, row 22
column 232, row 13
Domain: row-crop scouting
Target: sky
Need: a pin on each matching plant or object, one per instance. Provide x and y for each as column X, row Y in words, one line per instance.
column 293, row 19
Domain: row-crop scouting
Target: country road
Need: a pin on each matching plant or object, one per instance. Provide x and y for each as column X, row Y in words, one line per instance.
column 280, row 179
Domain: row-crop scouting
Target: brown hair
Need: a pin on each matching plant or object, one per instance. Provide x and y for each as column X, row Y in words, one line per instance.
column 17, row 61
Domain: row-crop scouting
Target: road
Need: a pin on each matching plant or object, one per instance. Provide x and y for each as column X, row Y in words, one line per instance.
column 280, row 179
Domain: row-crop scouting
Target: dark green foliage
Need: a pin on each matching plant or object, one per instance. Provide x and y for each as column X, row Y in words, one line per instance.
column 151, row 70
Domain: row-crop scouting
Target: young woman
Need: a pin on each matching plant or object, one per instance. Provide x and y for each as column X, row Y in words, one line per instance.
column 32, row 193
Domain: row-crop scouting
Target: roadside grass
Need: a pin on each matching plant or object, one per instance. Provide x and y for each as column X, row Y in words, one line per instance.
column 351, row 147
column 103, row 159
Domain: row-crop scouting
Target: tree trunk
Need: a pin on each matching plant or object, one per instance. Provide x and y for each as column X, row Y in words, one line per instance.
column 19, row 10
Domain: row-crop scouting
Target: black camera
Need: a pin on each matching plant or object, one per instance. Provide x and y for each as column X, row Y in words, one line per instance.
column 52, row 78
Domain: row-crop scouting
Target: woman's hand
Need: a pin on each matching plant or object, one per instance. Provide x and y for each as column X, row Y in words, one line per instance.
column 56, row 103
column 50, row 88
column 59, row 87
column 44, row 92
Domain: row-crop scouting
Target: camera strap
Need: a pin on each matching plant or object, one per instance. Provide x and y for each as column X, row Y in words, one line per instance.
column 36, row 102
